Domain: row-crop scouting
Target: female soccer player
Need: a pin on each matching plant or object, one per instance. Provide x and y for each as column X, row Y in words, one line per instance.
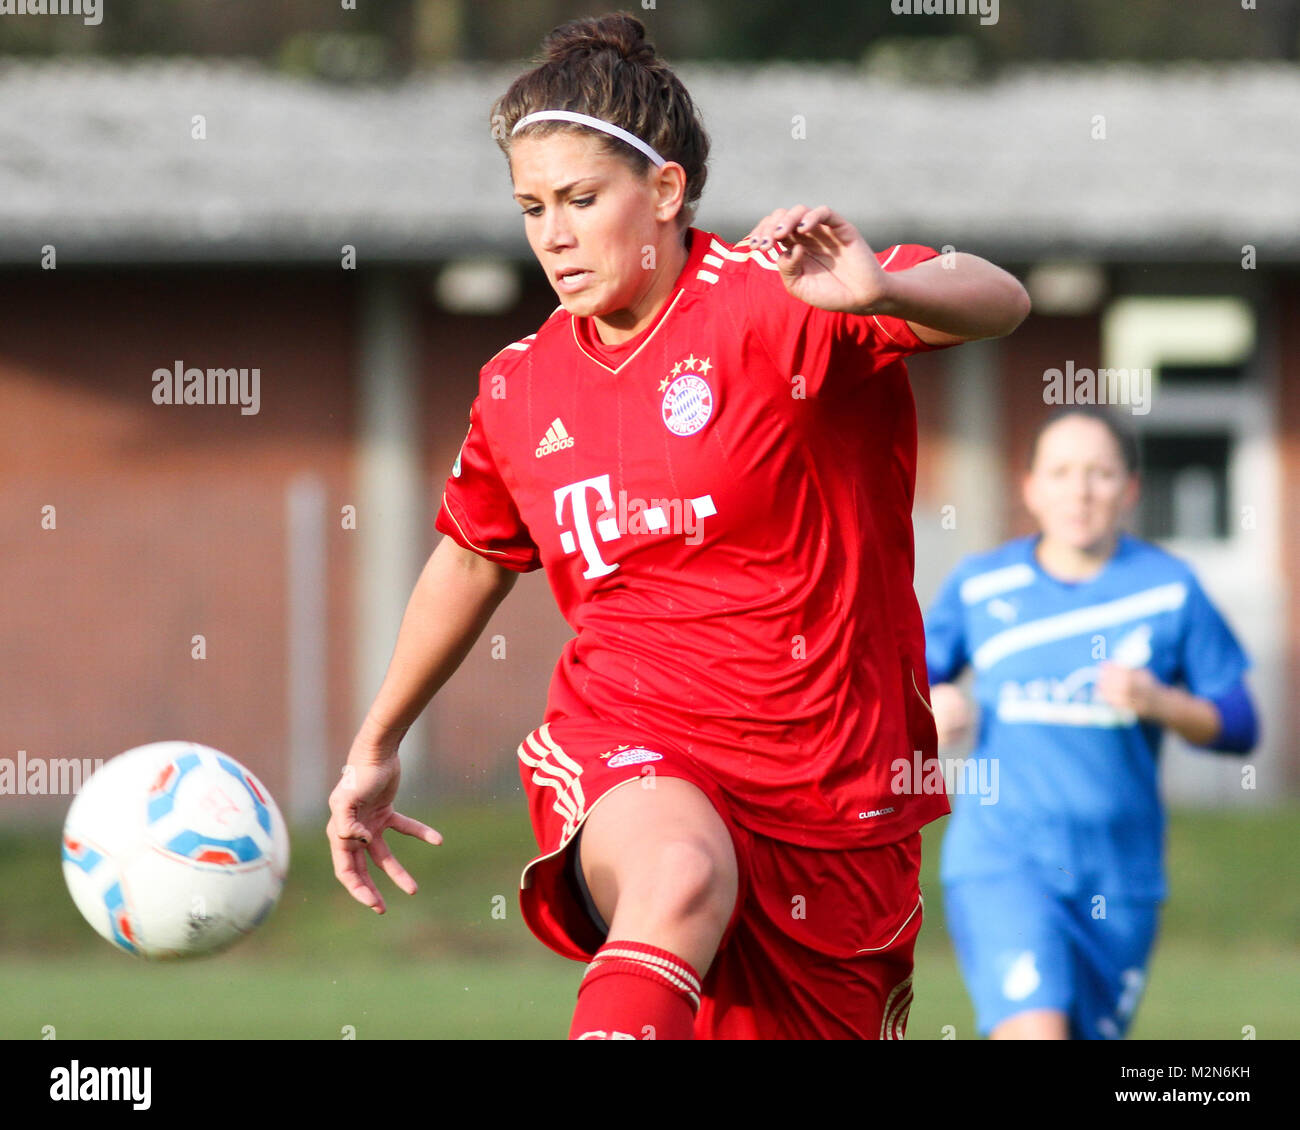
column 1077, row 636
column 710, row 450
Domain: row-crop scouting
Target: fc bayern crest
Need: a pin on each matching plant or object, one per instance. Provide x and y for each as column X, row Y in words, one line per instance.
column 688, row 401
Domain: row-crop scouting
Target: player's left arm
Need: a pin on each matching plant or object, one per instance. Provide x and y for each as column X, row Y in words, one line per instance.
column 955, row 298
column 825, row 262
column 1225, row 722
column 1213, row 708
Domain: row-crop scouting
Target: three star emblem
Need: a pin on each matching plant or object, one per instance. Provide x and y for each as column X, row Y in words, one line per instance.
column 692, row 364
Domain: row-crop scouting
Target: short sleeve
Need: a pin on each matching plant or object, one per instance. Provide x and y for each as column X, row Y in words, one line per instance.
column 945, row 632
column 477, row 511
column 1211, row 659
column 828, row 347
column 899, row 339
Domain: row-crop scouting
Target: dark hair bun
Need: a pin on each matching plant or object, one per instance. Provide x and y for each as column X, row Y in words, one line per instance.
column 606, row 68
column 617, row 32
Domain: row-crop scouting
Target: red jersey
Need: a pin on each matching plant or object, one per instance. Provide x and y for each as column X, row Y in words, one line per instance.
column 723, row 509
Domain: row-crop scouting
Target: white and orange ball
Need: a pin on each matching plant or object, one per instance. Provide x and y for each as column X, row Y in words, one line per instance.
column 174, row 850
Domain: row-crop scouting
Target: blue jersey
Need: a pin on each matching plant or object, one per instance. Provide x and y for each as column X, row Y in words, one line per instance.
column 1077, row 785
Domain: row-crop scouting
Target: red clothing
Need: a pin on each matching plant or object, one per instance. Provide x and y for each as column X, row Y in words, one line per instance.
column 723, row 509
column 819, row 945
column 822, row 948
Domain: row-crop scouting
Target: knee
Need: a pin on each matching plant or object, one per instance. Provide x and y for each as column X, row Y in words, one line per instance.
column 684, row 879
column 1037, row 1024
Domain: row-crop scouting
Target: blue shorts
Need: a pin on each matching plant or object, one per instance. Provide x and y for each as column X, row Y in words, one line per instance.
column 1023, row 947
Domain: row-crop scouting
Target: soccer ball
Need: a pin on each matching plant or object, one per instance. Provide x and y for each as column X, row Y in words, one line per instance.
column 174, row 850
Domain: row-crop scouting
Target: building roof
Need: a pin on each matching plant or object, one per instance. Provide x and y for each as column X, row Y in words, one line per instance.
column 97, row 158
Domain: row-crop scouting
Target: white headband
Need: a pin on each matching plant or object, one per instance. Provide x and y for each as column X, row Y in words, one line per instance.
column 594, row 123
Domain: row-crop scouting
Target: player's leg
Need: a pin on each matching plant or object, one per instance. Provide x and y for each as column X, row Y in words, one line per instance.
column 660, row 867
column 1013, row 944
column 823, row 948
column 1114, row 940
column 1039, row 1024
column 638, row 824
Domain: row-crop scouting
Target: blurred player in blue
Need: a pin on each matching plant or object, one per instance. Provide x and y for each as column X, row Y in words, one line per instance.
column 1086, row 643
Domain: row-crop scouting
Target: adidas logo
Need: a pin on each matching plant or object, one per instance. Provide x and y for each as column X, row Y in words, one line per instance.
column 555, row 439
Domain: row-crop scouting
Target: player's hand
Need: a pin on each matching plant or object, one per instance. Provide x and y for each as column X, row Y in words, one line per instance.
column 1131, row 688
column 953, row 715
column 361, row 810
column 823, row 259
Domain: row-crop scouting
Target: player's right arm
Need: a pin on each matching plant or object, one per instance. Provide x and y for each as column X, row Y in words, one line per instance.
column 945, row 658
column 454, row 598
column 825, row 262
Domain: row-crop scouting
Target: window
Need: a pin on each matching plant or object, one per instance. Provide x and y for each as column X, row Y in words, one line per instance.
column 1198, row 352
column 1184, row 486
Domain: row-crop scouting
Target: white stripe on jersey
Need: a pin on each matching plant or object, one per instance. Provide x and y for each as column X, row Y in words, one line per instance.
column 1163, row 598
column 741, row 256
column 524, row 342
column 984, row 585
column 1098, row 714
column 727, row 253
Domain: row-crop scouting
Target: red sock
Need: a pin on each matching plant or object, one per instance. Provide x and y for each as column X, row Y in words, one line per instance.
column 633, row 991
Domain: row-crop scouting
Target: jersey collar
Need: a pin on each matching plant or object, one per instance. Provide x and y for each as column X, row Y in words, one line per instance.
column 614, row 358
column 1123, row 546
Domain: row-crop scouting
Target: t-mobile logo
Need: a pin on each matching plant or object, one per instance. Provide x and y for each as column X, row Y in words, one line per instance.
column 606, row 527
column 638, row 516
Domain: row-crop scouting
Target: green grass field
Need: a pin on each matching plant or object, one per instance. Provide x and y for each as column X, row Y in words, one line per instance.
column 445, row 964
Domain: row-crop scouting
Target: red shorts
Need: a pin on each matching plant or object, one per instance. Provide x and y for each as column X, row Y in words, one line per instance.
column 820, row 943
